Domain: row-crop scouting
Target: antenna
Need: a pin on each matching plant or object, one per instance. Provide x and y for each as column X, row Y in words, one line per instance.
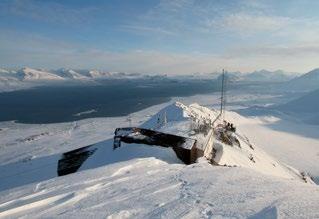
column 222, row 93
column 223, row 96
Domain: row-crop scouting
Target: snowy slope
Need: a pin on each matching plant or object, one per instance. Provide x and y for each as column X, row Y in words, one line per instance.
column 151, row 188
column 9, row 82
column 187, row 121
column 308, row 81
column 34, row 74
column 149, row 182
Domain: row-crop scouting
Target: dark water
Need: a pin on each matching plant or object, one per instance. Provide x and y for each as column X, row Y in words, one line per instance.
column 111, row 98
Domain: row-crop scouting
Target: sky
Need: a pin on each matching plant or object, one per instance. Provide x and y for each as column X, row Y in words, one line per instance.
column 160, row 36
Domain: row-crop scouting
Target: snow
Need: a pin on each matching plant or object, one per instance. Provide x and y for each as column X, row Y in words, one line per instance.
column 4, row 71
column 264, row 75
column 151, row 188
column 139, row 181
column 70, row 74
column 34, row 74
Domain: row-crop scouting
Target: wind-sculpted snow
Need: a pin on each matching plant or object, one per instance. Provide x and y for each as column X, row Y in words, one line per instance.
column 139, row 181
column 150, row 188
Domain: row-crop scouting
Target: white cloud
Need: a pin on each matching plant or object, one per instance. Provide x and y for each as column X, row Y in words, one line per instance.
column 292, row 50
column 249, row 24
column 286, row 43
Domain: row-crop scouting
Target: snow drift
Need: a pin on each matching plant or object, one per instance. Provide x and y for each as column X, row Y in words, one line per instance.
column 140, row 181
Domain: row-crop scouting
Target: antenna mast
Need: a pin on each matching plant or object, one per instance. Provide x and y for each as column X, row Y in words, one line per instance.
column 223, row 96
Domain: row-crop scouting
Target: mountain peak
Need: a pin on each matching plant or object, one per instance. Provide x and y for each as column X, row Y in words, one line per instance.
column 27, row 73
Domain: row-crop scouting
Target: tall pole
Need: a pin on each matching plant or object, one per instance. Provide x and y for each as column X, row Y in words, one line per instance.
column 225, row 97
column 222, row 94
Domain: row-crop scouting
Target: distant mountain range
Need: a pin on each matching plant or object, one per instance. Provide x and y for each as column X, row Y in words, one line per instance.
column 30, row 74
column 10, row 78
column 27, row 74
column 260, row 76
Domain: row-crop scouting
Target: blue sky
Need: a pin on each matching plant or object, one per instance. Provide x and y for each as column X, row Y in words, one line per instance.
column 160, row 36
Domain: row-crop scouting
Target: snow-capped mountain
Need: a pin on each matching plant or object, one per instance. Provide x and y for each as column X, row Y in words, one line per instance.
column 308, row 81
column 143, row 181
column 3, row 71
column 69, row 74
column 232, row 77
column 98, row 74
column 8, row 83
column 269, row 76
column 36, row 74
column 188, row 120
column 259, row 76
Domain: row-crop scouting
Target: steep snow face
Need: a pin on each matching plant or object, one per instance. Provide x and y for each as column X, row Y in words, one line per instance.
column 33, row 74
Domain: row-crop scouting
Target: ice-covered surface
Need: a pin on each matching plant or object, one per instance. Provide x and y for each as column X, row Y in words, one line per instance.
column 150, row 182
column 151, row 188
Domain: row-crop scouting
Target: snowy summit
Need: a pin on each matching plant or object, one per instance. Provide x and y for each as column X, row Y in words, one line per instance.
column 234, row 177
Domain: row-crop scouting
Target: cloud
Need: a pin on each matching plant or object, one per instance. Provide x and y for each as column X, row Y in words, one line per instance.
column 41, row 52
column 295, row 50
column 248, row 24
column 174, row 29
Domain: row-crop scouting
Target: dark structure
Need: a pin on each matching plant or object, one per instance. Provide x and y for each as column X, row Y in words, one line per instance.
column 185, row 148
column 71, row 161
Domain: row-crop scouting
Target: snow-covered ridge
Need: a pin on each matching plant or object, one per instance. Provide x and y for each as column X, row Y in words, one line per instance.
column 204, row 125
column 26, row 73
column 43, row 74
column 140, row 181
column 34, row 74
